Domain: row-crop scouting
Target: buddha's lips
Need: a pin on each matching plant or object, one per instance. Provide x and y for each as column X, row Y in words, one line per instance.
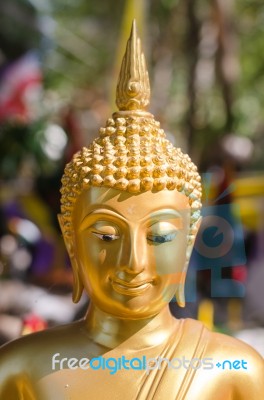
column 134, row 288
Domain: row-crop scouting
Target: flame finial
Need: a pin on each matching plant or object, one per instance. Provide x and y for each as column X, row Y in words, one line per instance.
column 133, row 89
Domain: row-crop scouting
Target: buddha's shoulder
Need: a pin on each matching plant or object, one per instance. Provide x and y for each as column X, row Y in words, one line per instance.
column 37, row 346
column 55, row 335
column 234, row 360
column 219, row 344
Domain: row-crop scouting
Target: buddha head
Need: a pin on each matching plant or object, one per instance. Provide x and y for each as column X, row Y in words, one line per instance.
column 130, row 206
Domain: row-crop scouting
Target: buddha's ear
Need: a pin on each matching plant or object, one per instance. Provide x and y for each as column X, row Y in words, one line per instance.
column 70, row 246
column 180, row 297
column 192, row 236
column 68, row 239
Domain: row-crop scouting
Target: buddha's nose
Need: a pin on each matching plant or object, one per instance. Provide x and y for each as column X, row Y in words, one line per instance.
column 135, row 254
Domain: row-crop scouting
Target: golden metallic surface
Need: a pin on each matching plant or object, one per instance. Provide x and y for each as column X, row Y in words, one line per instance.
column 126, row 245
column 132, row 152
column 130, row 214
column 133, row 90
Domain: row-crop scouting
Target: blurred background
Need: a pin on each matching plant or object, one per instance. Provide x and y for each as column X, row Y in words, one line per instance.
column 59, row 62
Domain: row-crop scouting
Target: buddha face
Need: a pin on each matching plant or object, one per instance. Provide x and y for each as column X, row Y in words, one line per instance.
column 129, row 251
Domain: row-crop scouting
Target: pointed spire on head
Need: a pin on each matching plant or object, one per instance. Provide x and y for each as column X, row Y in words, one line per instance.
column 131, row 153
column 133, row 89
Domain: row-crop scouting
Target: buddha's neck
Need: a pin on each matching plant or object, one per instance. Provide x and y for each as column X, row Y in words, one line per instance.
column 110, row 332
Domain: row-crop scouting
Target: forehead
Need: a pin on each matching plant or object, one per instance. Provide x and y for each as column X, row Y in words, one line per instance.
column 129, row 206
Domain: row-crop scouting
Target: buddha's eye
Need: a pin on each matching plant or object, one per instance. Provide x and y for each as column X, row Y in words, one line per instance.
column 106, row 237
column 162, row 232
column 105, row 231
column 162, row 238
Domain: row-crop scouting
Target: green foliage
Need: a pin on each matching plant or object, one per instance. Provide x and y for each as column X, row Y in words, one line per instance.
column 20, row 146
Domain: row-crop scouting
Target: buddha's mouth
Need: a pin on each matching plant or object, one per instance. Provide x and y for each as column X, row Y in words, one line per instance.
column 130, row 288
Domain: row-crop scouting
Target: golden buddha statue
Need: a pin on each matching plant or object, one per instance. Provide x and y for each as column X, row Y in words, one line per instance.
column 129, row 216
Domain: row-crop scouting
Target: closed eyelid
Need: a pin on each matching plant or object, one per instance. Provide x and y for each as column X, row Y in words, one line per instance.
column 165, row 227
column 159, row 239
column 106, row 236
column 102, row 225
column 105, row 231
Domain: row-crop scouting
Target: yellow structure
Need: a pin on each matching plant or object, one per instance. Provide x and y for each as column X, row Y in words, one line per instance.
column 130, row 213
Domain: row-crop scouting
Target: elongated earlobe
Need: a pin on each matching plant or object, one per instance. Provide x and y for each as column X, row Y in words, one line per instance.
column 77, row 281
column 180, row 295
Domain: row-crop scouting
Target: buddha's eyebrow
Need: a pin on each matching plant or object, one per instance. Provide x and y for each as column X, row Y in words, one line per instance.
column 163, row 214
column 156, row 215
column 101, row 211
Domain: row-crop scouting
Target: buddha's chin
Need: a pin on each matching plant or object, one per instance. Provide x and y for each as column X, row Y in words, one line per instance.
column 134, row 308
